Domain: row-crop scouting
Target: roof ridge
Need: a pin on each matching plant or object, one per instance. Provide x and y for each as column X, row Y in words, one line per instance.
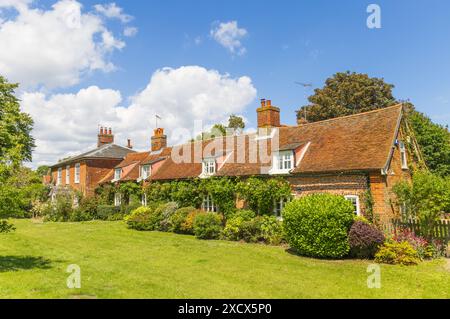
column 351, row 115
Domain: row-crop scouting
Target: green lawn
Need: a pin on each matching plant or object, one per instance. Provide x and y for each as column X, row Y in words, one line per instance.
column 120, row 263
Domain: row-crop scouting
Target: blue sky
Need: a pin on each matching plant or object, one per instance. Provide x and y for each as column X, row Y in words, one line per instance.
column 292, row 41
column 285, row 42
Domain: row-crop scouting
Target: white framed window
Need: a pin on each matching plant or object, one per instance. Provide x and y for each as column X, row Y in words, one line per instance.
column 278, row 207
column 117, row 173
column 208, row 204
column 144, row 199
column 67, row 174
column 209, row 166
column 403, row 155
column 117, row 199
column 77, row 173
column 145, row 171
column 283, row 162
column 59, row 176
column 354, row 199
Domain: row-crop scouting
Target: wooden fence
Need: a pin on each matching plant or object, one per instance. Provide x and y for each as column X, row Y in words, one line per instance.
column 440, row 231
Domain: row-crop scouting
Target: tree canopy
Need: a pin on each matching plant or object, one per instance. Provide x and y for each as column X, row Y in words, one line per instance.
column 347, row 93
column 16, row 142
column 350, row 93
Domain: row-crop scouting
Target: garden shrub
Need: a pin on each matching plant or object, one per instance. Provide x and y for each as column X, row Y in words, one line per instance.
column 6, row 227
column 232, row 230
column 80, row 215
column 317, row 225
column 397, row 253
column 127, row 209
column 104, row 211
column 365, row 239
column 177, row 219
column 88, row 206
column 207, row 225
column 142, row 218
column 166, row 211
column 250, row 230
column 272, row 230
column 187, row 226
column 61, row 209
column 426, row 249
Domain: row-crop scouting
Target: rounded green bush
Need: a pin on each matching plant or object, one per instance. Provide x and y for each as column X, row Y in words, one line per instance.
column 144, row 218
column 207, row 225
column 166, row 211
column 177, row 219
column 318, row 225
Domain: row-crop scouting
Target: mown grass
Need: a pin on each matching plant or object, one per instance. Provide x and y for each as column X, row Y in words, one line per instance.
column 120, row 263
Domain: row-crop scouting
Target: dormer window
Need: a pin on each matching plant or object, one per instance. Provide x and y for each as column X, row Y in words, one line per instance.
column 117, row 173
column 283, row 162
column 145, row 171
column 209, row 167
column 403, row 156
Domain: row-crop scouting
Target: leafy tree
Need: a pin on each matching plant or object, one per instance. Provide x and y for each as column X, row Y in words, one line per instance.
column 434, row 142
column 236, row 123
column 16, row 142
column 42, row 170
column 235, row 126
column 347, row 93
column 427, row 199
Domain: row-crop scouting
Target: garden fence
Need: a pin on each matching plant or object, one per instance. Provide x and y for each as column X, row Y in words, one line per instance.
column 440, row 231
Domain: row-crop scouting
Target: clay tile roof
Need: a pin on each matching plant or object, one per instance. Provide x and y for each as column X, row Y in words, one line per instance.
column 351, row 143
column 357, row 142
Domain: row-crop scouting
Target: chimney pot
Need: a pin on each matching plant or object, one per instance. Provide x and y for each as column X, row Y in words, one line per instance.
column 129, row 144
column 110, row 131
column 101, row 130
column 268, row 115
column 268, row 103
column 263, row 102
column 159, row 140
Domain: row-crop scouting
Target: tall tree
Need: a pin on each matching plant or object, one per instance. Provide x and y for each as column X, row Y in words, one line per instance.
column 16, row 142
column 434, row 141
column 236, row 123
column 347, row 93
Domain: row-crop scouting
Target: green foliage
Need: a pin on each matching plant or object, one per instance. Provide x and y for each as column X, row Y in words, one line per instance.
column 434, row 142
column 427, row 199
column 347, row 93
column 236, row 123
column 233, row 227
column 207, row 225
column 61, row 209
column 178, row 218
column 143, row 218
column 187, row 227
column 43, row 170
column 318, row 225
column 243, row 225
column 130, row 191
column 16, row 142
column 105, row 211
column 6, row 227
column 19, row 190
column 186, row 193
column 260, row 193
column 397, row 254
column 272, row 230
column 222, row 190
column 364, row 240
column 105, row 193
column 166, row 211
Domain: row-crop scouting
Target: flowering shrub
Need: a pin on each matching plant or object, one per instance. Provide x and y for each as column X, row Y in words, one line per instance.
column 397, row 253
column 177, row 219
column 166, row 211
column 187, row 226
column 420, row 244
column 365, row 239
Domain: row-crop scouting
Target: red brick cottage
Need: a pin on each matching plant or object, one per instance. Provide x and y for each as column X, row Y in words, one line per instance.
column 352, row 156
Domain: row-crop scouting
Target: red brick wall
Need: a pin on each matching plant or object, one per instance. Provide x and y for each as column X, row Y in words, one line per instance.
column 91, row 172
column 342, row 184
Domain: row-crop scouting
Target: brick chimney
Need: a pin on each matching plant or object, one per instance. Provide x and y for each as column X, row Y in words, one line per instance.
column 105, row 136
column 159, row 140
column 268, row 115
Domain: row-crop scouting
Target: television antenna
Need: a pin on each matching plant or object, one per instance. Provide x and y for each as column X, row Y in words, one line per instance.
column 306, row 86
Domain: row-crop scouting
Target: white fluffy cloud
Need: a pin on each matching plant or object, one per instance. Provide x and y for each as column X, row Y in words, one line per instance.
column 130, row 31
column 55, row 47
column 229, row 35
column 111, row 10
column 65, row 124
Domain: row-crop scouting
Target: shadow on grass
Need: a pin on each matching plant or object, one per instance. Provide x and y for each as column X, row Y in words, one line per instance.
column 16, row 263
